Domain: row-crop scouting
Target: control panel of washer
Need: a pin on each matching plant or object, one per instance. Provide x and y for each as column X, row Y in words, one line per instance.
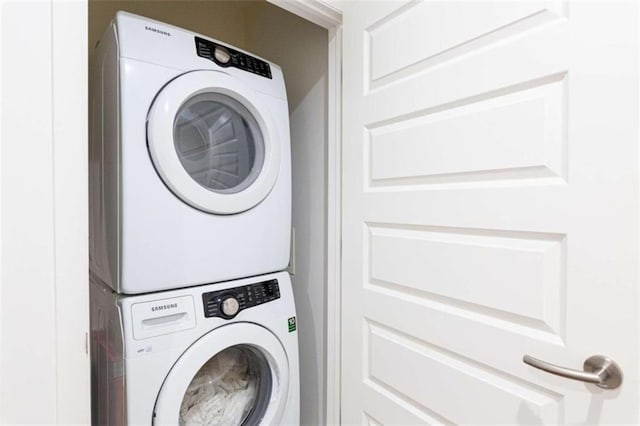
column 228, row 57
column 229, row 302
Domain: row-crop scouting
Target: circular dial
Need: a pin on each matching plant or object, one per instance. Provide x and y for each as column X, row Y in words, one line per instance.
column 230, row 306
column 222, row 55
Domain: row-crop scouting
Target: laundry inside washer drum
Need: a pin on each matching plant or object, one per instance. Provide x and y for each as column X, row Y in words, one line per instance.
column 232, row 388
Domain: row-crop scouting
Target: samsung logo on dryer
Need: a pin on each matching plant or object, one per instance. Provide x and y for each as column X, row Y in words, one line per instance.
column 155, row 30
column 164, row 307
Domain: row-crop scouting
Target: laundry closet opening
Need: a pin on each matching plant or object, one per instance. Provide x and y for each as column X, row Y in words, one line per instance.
column 300, row 48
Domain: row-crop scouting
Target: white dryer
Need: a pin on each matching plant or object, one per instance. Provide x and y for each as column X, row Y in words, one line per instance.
column 224, row 354
column 189, row 161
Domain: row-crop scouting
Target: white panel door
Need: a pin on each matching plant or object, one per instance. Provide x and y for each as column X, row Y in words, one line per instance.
column 490, row 172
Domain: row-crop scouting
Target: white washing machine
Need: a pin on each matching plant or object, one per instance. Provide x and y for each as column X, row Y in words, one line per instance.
column 224, row 354
column 190, row 163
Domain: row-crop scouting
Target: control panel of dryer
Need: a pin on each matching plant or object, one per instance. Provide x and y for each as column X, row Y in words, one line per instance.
column 229, row 302
column 228, row 57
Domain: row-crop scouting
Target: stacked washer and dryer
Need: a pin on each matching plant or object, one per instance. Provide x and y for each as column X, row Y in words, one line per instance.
column 193, row 319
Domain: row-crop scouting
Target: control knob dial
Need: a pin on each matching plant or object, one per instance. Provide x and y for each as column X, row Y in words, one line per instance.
column 230, row 307
column 222, row 55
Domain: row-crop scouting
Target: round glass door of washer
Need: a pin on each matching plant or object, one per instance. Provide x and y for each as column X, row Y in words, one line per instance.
column 236, row 375
column 212, row 142
column 232, row 388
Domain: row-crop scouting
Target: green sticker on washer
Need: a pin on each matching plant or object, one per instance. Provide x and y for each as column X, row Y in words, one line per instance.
column 292, row 324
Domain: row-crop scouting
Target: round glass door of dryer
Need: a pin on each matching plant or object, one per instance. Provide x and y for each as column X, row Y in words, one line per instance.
column 213, row 142
column 218, row 142
column 235, row 375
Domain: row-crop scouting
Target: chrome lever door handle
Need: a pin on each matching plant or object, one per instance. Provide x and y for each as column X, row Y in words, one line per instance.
column 597, row 369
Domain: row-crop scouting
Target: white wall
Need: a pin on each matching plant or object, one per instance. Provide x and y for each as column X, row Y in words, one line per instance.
column 44, row 369
column 300, row 48
column 28, row 281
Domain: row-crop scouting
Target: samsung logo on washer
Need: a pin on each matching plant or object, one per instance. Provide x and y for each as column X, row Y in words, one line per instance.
column 155, row 30
column 164, row 307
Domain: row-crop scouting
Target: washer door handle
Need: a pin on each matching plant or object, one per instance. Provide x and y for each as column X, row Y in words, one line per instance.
column 597, row 369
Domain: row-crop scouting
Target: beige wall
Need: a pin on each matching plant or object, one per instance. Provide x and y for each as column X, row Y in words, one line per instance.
column 300, row 48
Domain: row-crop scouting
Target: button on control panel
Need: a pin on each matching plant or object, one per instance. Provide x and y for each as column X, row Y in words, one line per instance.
column 228, row 303
column 227, row 57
